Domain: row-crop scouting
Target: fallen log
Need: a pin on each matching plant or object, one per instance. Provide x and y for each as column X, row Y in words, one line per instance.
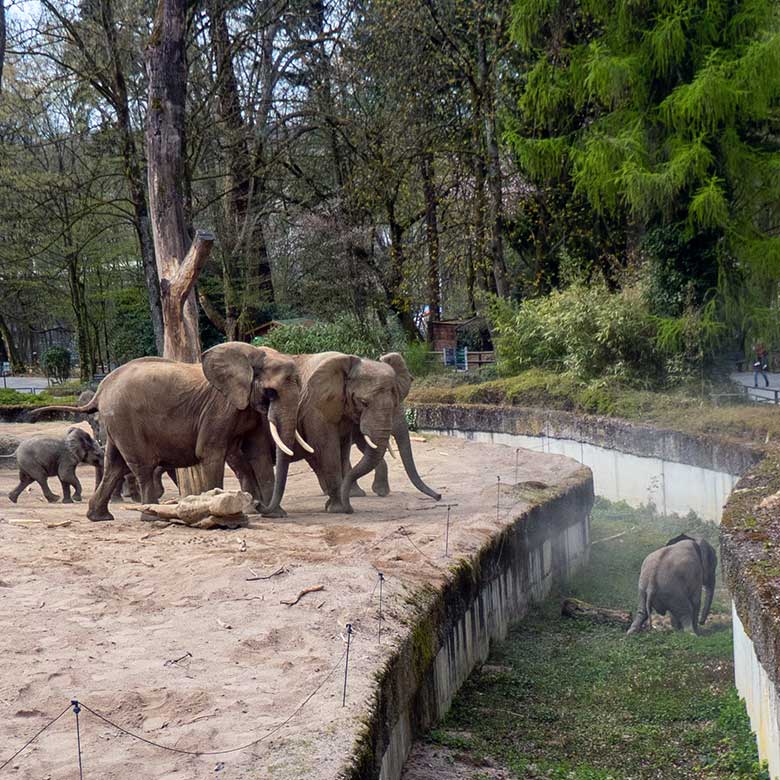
column 574, row 608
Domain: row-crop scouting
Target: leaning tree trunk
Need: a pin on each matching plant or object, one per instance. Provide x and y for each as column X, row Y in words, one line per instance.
column 178, row 267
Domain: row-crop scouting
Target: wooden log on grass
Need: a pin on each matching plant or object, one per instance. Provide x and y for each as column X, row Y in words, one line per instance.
column 574, row 608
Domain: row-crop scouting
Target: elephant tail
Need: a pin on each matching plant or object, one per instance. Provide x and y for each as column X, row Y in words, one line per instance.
column 89, row 408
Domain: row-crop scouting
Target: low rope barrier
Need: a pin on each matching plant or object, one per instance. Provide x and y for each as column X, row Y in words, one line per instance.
column 77, row 706
column 32, row 739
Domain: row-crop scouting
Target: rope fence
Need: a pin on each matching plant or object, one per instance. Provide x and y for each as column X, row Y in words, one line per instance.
column 77, row 706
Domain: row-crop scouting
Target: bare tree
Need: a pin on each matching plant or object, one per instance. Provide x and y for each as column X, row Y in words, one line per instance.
column 177, row 266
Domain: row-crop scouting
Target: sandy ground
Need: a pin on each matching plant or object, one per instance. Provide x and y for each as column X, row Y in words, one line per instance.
column 159, row 630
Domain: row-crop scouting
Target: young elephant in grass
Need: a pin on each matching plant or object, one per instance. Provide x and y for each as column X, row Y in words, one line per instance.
column 47, row 456
column 671, row 580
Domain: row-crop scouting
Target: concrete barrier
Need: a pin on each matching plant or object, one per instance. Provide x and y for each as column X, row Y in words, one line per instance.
column 456, row 625
column 749, row 536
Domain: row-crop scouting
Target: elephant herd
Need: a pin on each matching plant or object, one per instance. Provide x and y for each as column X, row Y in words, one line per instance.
column 257, row 410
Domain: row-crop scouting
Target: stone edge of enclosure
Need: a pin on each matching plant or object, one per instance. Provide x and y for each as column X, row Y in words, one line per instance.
column 750, row 535
column 704, row 451
column 455, row 623
column 750, row 559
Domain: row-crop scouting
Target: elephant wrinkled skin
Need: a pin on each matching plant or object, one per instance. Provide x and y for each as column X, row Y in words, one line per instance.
column 159, row 413
column 671, row 580
column 47, row 456
column 345, row 397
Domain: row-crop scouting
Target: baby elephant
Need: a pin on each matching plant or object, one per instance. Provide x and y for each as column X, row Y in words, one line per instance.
column 47, row 456
column 671, row 580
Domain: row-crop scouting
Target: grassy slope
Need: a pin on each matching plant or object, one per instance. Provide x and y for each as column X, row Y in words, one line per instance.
column 679, row 410
column 13, row 398
column 566, row 699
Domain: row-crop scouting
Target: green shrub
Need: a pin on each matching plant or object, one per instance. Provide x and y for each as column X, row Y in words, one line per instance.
column 9, row 397
column 130, row 328
column 419, row 359
column 585, row 331
column 345, row 334
column 56, row 362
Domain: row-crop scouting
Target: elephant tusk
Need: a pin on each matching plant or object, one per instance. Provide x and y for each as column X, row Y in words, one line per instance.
column 390, row 449
column 370, row 442
column 278, row 439
column 303, row 442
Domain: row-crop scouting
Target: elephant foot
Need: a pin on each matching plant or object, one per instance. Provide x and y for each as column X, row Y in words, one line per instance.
column 335, row 507
column 67, row 500
column 380, row 490
column 99, row 517
column 77, row 498
column 278, row 512
column 13, row 497
column 357, row 492
column 52, row 499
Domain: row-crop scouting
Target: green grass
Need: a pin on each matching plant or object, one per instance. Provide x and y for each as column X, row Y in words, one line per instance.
column 682, row 409
column 10, row 397
column 565, row 699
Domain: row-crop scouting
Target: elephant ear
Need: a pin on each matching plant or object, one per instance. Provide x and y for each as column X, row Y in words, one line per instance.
column 324, row 379
column 228, row 368
column 77, row 443
column 403, row 376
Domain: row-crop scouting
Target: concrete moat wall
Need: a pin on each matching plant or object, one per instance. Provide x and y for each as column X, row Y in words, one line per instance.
column 692, row 472
column 455, row 625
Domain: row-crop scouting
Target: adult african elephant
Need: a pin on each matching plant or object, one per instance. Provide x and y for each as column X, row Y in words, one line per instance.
column 381, row 486
column 671, row 580
column 341, row 393
column 232, row 407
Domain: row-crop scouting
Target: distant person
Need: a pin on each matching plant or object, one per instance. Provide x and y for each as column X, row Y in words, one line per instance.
column 761, row 365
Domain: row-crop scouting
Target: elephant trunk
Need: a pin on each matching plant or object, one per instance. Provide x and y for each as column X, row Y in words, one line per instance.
column 368, row 462
column 281, row 421
column 401, row 433
column 280, row 483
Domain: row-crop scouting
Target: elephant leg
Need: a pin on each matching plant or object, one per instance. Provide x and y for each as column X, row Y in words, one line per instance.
column 355, row 491
column 115, row 470
column 150, row 492
column 24, row 480
column 117, row 495
column 323, row 483
column 252, row 462
column 159, row 489
column 642, row 616
column 676, row 622
column 328, row 468
column 68, row 479
column 381, row 485
column 129, row 488
column 66, row 499
column 40, row 476
column 695, row 606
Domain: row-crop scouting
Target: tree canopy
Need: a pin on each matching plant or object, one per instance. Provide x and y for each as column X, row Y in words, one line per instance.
column 386, row 161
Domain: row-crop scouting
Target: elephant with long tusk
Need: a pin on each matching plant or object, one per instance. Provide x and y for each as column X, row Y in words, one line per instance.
column 381, row 485
column 346, row 398
column 236, row 406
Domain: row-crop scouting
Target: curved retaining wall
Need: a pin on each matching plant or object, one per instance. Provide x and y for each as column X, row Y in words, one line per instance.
column 456, row 624
column 750, row 531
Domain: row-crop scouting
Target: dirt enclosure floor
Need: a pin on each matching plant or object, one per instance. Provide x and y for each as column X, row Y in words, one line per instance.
column 160, row 630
